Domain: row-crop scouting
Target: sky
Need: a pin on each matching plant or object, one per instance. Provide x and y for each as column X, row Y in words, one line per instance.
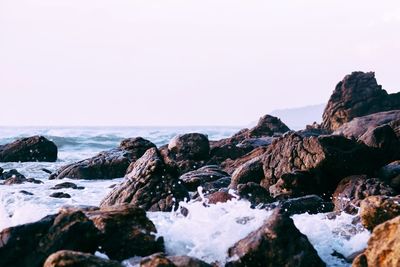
column 185, row 62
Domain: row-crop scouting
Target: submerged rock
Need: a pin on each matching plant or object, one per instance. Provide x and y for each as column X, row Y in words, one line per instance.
column 358, row 94
column 151, row 185
column 68, row 258
column 60, row 195
column 35, row 148
column 277, row 243
column 210, row 173
column 106, row 165
column 66, row 185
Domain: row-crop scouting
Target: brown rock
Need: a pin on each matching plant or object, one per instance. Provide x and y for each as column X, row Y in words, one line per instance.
column 383, row 246
column 156, row 260
column 210, row 173
column 254, row 193
column 358, row 94
column 68, row 258
column 193, row 146
column 219, row 197
column 375, row 210
column 391, row 174
column 276, row 243
column 251, row 171
column 230, row 165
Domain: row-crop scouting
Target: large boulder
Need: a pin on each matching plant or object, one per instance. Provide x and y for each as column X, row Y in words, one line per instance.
column 251, row 171
column 353, row 189
column 276, row 243
column 231, row 165
column 299, row 165
column 35, row 148
column 106, row 165
column 125, row 232
column 151, row 185
column 390, row 173
column 358, row 94
column 375, row 210
column 210, row 173
column 30, row 244
column 69, row 258
column 383, row 246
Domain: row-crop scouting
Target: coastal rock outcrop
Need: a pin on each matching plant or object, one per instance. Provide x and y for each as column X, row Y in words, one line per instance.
column 251, row 171
column 69, row 258
column 210, row 173
column 35, row 148
column 162, row 260
column 390, row 173
column 358, row 94
column 151, row 185
column 375, row 210
column 106, row 165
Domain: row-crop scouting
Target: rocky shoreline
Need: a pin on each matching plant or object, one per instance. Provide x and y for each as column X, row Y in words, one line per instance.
column 349, row 163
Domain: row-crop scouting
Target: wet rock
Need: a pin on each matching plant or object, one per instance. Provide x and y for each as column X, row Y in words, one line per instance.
column 151, row 185
column 199, row 177
column 161, row 260
column 311, row 204
column 251, row 171
column 391, row 174
column 254, row 193
column 358, row 94
column 214, row 186
column 68, row 258
column 35, row 148
column 125, row 232
column 26, row 193
column 193, row 146
column 46, row 170
column 383, row 246
column 353, row 189
column 219, row 197
column 60, row 195
column 315, row 164
column 185, row 261
column 66, row 185
column 14, row 177
column 4, row 175
column 230, row 165
column 226, row 150
column 277, row 243
column 30, row 244
column 156, row 260
column 375, row 210
column 106, row 165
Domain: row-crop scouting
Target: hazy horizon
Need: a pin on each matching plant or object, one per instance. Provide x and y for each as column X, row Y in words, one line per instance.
column 185, row 62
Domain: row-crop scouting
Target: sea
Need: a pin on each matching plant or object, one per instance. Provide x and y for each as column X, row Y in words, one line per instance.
column 207, row 233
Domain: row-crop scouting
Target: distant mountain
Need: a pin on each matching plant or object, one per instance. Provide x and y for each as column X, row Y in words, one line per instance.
column 298, row 118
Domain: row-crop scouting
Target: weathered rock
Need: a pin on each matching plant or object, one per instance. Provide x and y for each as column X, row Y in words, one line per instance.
column 125, row 232
column 185, row 261
column 14, row 177
column 383, row 246
column 254, row 193
column 224, row 150
column 150, row 185
column 106, row 165
column 391, row 174
column 315, row 164
column 30, row 244
column 192, row 180
column 4, row 175
column 219, row 197
column 156, row 260
column 276, row 243
column 231, row 165
column 68, row 258
column 358, row 94
column 311, row 204
column 161, row 260
column 193, row 146
column 375, row 210
column 353, row 189
column 211, row 187
column 35, row 148
column 60, row 195
column 251, row 171
column 66, row 185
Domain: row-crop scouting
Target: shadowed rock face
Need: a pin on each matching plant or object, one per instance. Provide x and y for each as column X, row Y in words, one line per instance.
column 106, row 165
column 68, row 258
column 35, row 148
column 210, row 173
column 277, row 243
column 358, row 94
column 151, row 185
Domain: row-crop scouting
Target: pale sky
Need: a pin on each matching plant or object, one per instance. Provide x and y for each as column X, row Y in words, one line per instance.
column 188, row 62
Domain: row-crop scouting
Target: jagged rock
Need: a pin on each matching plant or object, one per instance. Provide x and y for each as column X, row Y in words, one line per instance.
column 60, row 195
column 391, row 174
column 383, row 246
column 223, row 150
column 211, row 187
column 230, row 165
column 301, row 165
column 210, row 173
column 193, row 146
column 106, row 165
column 311, row 204
column 125, row 232
column 151, row 185
column 251, row 171
column 14, row 177
column 68, row 258
column 358, row 94
column 161, row 260
column 254, row 193
column 35, row 148
column 353, row 189
column 186, row 261
column 375, row 210
column 219, row 197
column 277, row 243
column 66, row 185
column 4, row 175
column 30, row 244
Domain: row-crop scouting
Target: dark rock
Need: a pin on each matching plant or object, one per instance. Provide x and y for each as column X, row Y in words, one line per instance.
column 224, row 150
column 383, row 246
column 161, row 260
column 68, row 258
column 276, row 243
column 254, row 193
column 14, row 177
column 60, row 195
column 106, row 165
column 193, row 146
column 251, row 171
column 358, row 94
column 315, row 165
column 311, row 204
column 125, row 232
column 66, row 185
column 35, row 148
column 375, row 210
column 210, row 173
column 30, row 244
column 4, row 175
column 151, row 185
column 351, row 190
column 156, row 260
column 26, row 193
column 219, row 197
column 46, row 170
column 185, row 261
column 230, row 165
column 391, row 175
column 214, row 186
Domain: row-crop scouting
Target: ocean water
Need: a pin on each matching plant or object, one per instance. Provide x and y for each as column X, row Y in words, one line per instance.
column 206, row 233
